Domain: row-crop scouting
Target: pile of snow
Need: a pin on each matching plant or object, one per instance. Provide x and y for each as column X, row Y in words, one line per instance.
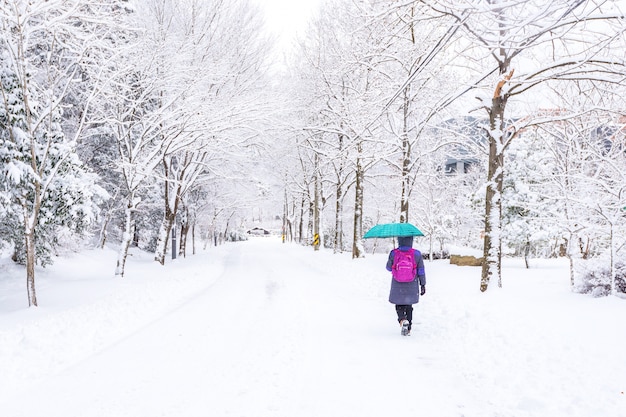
column 261, row 328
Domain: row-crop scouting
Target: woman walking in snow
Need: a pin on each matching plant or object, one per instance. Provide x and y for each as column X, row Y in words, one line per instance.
column 408, row 281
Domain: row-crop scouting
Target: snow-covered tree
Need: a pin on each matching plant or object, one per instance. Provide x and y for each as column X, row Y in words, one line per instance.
column 564, row 183
column 178, row 97
column 412, row 64
column 222, row 102
column 45, row 49
column 527, row 215
column 328, row 111
column 565, row 41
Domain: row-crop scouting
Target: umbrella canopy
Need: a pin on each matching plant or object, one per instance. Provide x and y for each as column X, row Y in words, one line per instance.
column 393, row 230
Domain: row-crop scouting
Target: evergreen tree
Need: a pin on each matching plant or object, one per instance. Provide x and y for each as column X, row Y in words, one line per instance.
column 44, row 48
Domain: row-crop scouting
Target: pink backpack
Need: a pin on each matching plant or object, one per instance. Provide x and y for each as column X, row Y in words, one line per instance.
column 404, row 267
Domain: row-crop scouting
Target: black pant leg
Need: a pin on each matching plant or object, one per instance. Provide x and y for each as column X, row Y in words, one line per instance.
column 403, row 312
column 409, row 315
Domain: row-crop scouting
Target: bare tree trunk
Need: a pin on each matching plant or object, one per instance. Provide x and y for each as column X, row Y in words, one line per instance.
column 290, row 230
column 184, row 230
column 164, row 236
column 357, row 247
column 527, row 253
column 135, row 241
column 406, row 161
column 316, row 206
column 126, row 238
column 339, row 171
column 30, row 221
column 171, row 208
column 492, row 250
column 193, row 237
column 30, row 267
column 103, row 230
column 301, row 221
column 285, row 214
column 338, row 243
column 309, row 224
column 613, row 271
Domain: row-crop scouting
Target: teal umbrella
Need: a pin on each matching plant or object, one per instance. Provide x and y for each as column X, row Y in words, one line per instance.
column 392, row 230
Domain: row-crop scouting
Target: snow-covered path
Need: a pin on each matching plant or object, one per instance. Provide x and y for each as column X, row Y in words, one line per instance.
column 267, row 329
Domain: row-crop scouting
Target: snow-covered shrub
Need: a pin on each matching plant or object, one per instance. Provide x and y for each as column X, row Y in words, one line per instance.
column 236, row 236
column 441, row 254
column 594, row 277
column 620, row 278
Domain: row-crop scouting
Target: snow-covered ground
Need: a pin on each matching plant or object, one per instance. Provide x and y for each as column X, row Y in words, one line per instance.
column 261, row 328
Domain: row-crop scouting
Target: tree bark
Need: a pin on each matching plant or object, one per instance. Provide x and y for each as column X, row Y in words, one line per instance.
column 126, row 238
column 184, row 231
column 357, row 247
column 285, row 214
column 193, row 238
column 338, row 240
column 316, row 206
column 301, row 220
column 492, row 249
column 164, row 235
column 406, row 161
column 338, row 243
column 171, row 208
column 30, row 268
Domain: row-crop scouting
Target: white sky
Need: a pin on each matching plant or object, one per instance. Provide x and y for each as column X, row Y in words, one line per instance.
column 288, row 18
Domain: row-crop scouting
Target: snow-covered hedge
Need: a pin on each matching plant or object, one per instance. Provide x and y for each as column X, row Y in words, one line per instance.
column 594, row 277
column 438, row 254
column 236, row 236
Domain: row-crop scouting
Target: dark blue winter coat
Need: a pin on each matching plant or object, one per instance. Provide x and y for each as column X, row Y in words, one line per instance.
column 406, row 293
